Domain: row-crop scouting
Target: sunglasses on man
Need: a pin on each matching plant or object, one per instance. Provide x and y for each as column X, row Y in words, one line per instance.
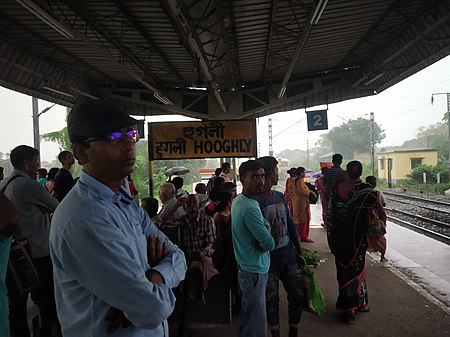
column 117, row 136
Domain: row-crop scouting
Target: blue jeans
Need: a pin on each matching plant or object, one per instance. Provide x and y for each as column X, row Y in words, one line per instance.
column 252, row 318
column 292, row 278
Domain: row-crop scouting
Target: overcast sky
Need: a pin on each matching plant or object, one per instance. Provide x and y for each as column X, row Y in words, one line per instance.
column 400, row 110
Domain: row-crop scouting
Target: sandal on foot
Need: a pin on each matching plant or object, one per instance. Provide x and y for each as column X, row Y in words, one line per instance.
column 347, row 316
column 364, row 309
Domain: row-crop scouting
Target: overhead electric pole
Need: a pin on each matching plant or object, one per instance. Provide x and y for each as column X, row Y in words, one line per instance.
column 37, row 141
column 448, row 119
column 270, row 138
column 36, row 115
column 372, row 143
column 307, row 153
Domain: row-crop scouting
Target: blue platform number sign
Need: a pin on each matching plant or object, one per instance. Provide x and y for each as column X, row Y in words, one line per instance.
column 317, row 120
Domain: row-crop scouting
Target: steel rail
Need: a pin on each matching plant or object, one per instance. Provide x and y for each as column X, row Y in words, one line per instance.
column 432, row 221
column 422, row 206
column 439, row 237
column 418, row 198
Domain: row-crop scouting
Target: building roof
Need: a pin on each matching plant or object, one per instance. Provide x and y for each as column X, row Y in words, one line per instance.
column 217, row 59
column 407, row 151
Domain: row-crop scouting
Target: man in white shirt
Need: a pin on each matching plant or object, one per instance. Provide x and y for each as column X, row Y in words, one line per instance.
column 172, row 207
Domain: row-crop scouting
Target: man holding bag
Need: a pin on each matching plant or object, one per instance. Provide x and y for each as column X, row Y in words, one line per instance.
column 34, row 204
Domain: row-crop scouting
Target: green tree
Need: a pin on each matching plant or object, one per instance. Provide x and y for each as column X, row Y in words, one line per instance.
column 140, row 172
column 296, row 157
column 161, row 166
column 6, row 164
column 323, row 145
column 60, row 137
column 352, row 136
column 435, row 137
column 416, row 174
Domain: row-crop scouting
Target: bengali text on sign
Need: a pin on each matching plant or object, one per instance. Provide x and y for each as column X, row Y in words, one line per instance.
column 206, row 139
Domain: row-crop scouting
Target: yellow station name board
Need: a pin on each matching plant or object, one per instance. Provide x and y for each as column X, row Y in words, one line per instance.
column 206, row 139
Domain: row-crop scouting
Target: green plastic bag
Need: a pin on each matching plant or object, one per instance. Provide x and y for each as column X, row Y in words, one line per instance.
column 315, row 302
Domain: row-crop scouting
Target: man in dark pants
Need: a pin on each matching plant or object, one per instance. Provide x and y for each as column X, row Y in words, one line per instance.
column 331, row 177
column 252, row 243
column 283, row 259
column 34, row 204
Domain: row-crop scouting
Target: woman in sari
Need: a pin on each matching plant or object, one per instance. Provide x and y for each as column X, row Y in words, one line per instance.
column 351, row 203
column 300, row 205
column 377, row 243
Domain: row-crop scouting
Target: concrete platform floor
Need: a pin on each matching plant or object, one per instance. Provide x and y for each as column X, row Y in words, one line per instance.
column 409, row 295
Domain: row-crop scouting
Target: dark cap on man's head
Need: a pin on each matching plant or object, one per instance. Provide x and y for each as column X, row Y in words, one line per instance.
column 95, row 118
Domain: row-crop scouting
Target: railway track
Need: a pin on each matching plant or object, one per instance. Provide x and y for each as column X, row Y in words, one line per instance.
column 435, row 229
column 415, row 198
column 426, row 216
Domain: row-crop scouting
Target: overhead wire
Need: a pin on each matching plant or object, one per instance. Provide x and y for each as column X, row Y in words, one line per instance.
column 279, row 133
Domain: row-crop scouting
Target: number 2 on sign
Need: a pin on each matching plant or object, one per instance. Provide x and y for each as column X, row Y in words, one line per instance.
column 317, row 120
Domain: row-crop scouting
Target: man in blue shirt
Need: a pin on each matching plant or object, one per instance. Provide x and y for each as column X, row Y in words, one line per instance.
column 114, row 270
column 252, row 242
column 283, row 259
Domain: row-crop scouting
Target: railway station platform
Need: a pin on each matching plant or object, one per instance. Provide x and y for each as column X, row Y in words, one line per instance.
column 408, row 296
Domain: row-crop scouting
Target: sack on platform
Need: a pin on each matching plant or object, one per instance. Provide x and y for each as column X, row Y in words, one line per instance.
column 315, row 303
column 376, row 226
column 23, row 276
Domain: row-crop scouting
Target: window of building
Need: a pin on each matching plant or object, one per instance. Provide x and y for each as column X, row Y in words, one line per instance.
column 415, row 162
column 382, row 164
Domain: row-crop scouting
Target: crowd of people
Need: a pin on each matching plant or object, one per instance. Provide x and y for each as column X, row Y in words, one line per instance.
column 107, row 263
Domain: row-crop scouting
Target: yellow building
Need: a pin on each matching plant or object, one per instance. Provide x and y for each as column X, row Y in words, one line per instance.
column 395, row 165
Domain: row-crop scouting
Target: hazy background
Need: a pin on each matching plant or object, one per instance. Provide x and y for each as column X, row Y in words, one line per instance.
column 400, row 110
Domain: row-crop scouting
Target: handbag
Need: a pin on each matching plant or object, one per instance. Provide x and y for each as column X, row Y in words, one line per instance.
column 315, row 303
column 312, row 197
column 376, row 226
column 22, row 275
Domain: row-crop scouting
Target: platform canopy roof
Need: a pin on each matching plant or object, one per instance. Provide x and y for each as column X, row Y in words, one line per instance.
column 216, row 59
